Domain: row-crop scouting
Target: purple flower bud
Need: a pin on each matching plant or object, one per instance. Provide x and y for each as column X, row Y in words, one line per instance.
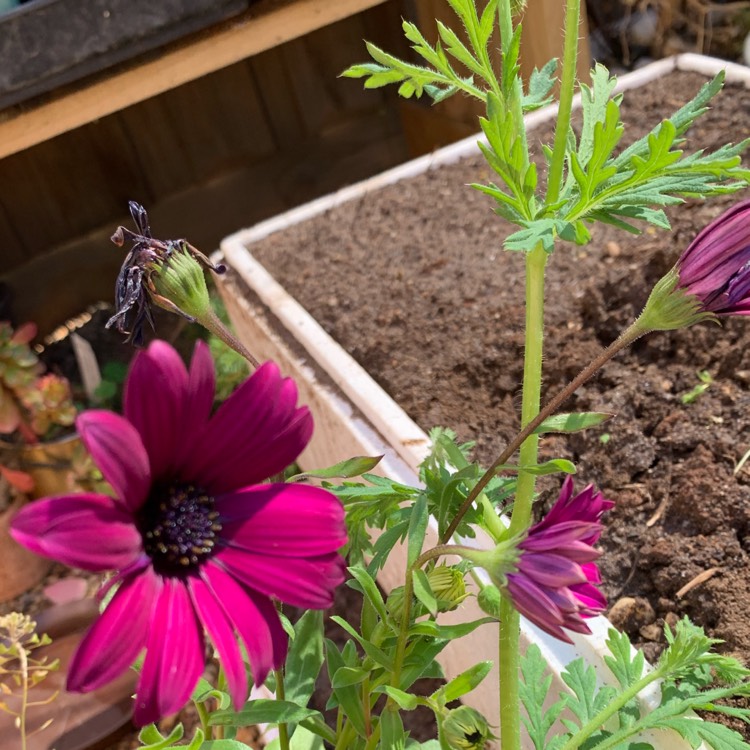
column 712, row 276
column 716, row 265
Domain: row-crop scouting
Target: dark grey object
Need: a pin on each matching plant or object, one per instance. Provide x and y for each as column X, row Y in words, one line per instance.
column 47, row 43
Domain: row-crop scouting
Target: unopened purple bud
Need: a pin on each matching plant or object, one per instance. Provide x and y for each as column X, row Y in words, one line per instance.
column 711, row 278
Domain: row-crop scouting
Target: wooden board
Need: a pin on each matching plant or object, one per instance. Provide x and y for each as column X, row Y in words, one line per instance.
column 267, row 25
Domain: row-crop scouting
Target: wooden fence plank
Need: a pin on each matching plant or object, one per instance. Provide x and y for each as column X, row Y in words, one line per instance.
column 233, row 41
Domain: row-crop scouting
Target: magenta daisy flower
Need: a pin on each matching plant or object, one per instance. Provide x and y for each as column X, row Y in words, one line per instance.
column 555, row 581
column 199, row 546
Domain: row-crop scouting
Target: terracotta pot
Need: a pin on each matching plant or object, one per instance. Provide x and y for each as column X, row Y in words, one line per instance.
column 50, row 466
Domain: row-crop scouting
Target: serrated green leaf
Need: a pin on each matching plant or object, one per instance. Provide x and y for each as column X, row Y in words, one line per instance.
column 625, row 664
column 587, row 699
column 541, row 83
column 385, row 543
column 533, row 689
column 457, row 48
column 572, row 422
column 595, row 102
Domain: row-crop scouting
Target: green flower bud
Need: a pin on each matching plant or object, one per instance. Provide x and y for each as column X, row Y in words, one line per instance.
column 464, row 728
column 448, row 585
column 489, row 600
column 517, row 6
column 395, row 603
column 670, row 306
column 180, row 286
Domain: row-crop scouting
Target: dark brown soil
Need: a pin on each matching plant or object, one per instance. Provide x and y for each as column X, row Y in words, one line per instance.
column 414, row 283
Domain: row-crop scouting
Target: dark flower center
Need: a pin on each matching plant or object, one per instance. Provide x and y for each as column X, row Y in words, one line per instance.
column 179, row 525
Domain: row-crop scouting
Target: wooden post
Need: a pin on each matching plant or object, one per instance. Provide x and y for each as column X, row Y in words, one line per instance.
column 429, row 127
column 542, row 36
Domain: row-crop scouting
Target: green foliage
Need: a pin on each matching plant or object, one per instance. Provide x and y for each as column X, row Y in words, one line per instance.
column 602, row 182
column 693, row 678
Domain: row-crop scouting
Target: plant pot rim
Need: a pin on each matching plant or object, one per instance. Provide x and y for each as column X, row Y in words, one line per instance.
column 385, row 423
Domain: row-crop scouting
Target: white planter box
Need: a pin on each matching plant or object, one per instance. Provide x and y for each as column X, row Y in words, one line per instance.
column 354, row 416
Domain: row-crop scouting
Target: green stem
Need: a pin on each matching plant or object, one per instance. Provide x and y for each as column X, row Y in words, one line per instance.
column 509, row 664
column 567, row 88
column 403, row 632
column 490, row 519
column 211, row 322
column 204, row 716
column 23, row 659
column 280, row 695
column 346, row 737
column 611, row 710
column 374, row 739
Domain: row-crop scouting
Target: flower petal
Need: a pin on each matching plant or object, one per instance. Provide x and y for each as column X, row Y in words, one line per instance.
column 256, row 433
column 200, row 400
column 174, row 655
column 255, row 619
column 283, row 519
column 156, row 394
column 88, row 531
column 118, row 451
column 221, row 630
column 116, row 638
column 302, row 582
column 551, row 570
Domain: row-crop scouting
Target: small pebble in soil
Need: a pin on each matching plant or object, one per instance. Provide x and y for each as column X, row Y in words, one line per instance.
column 631, row 613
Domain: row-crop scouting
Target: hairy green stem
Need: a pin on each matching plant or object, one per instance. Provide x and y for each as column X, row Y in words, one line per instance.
column 211, row 322
column 611, row 710
column 567, row 88
column 509, row 664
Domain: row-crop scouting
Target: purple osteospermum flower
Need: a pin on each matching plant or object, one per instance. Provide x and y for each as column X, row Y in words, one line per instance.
column 555, row 581
column 716, row 265
column 198, row 544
